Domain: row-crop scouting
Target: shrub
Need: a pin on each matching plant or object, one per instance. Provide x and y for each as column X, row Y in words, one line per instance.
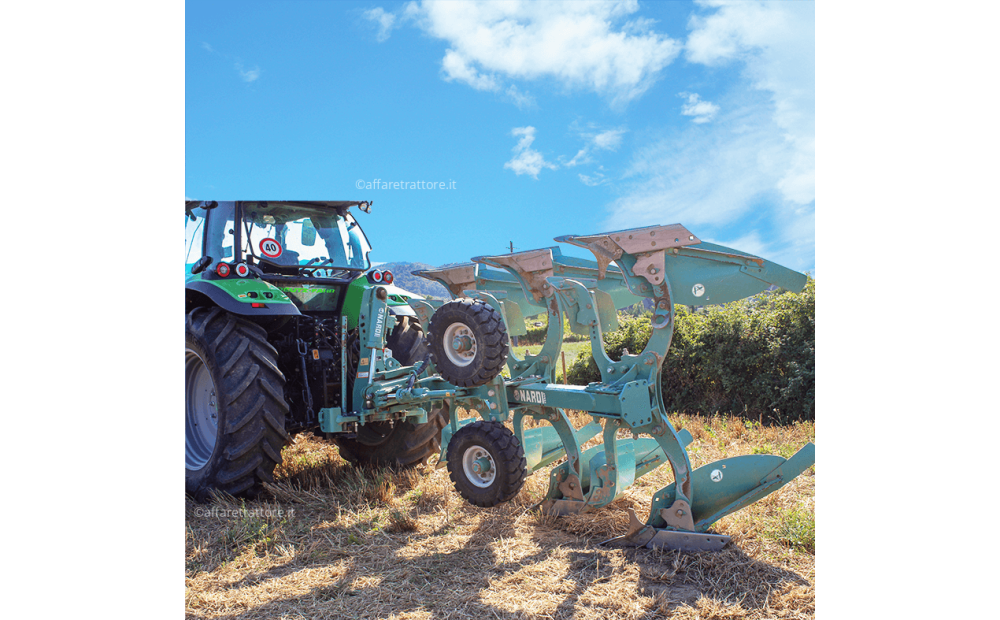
column 754, row 357
column 536, row 335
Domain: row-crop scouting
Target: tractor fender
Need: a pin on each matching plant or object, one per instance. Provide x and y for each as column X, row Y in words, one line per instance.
column 227, row 301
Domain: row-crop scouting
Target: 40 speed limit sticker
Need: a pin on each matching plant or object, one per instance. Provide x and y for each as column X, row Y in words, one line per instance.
column 270, row 248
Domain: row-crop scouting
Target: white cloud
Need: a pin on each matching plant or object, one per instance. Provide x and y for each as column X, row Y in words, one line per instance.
column 760, row 147
column 521, row 100
column 750, row 243
column 249, row 75
column 456, row 67
column 527, row 160
column 702, row 111
column 595, row 179
column 609, row 140
column 386, row 22
column 776, row 42
column 207, row 47
column 582, row 157
column 578, row 44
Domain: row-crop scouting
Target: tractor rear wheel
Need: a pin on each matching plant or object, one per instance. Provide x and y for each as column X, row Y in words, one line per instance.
column 234, row 404
column 399, row 444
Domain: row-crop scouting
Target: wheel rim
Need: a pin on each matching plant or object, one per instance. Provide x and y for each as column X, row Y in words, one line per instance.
column 201, row 422
column 460, row 344
column 479, row 466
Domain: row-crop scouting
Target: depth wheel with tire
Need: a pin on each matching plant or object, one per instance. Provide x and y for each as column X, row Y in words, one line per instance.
column 398, row 444
column 468, row 342
column 234, row 424
column 486, row 463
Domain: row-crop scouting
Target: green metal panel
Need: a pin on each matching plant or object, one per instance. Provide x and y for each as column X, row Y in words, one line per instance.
column 354, row 298
column 240, row 289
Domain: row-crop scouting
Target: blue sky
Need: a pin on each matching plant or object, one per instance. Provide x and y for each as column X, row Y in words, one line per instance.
column 539, row 119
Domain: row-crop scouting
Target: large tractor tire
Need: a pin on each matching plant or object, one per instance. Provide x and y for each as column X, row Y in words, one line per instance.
column 399, row 444
column 468, row 342
column 235, row 406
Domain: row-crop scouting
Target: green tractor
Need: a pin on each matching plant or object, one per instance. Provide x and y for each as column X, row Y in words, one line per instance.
column 285, row 320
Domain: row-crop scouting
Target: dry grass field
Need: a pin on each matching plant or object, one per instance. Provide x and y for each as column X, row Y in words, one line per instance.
column 334, row 541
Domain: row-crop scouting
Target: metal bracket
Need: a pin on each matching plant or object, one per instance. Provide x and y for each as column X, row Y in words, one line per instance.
column 456, row 279
column 607, row 247
column 678, row 515
column 533, row 268
column 570, row 488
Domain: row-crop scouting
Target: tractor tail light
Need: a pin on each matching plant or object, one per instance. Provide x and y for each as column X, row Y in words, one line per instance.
column 377, row 276
column 242, row 270
column 258, row 305
column 387, row 277
column 222, row 269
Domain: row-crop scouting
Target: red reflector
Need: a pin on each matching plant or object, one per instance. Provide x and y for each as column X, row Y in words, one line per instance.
column 377, row 276
column 242, row 270
column 387, row 276
column 222, row 270
column 258, row 305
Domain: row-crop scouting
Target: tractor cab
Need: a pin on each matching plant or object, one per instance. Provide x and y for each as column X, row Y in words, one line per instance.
column 309, row 250
column 307, row 239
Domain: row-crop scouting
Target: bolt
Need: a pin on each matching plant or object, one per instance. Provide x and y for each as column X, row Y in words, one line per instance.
column 589, row 306
column 680, row 513
column 649, row 361
column 492, row 393
column 611, row 370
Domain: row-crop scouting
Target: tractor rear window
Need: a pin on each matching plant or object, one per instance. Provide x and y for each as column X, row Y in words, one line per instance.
column 292, row 235
column 219, row 230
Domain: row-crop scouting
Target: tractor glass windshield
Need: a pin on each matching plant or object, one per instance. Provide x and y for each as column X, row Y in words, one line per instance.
column 294, row 235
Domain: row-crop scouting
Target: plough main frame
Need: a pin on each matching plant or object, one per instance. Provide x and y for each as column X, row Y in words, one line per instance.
column 666, row 264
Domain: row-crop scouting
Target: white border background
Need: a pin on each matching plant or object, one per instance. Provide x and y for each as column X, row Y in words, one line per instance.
column 93, row 145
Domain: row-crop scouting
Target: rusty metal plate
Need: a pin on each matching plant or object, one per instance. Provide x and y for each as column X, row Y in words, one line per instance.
column 687, row 541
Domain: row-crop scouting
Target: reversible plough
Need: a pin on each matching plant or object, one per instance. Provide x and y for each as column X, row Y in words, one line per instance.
column 468, row 340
